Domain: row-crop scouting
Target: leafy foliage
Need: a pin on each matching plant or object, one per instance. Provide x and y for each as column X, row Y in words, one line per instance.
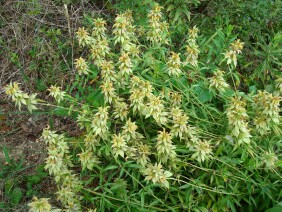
column 165, row 125
column 16, row 184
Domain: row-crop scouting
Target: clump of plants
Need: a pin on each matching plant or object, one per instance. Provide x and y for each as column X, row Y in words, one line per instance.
column 171, row 129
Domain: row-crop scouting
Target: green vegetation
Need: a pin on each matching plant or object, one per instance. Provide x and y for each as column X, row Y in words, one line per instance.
column 16, row 186
column 178, row 108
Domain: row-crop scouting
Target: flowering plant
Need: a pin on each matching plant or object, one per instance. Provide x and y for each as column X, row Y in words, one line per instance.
column 173, row 131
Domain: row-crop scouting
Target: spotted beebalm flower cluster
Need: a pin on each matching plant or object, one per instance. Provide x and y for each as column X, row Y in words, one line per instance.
column 238, row 120
column 58, row 163
column 267, row 108
column 21, row 98
column 174, row 65
column 57, row 93
column 235, row 49
column 81, row 66
column 192, row 49
column 269, row 159
column 165, row 147
column 158, row 29
column 129, row 143
column 83, row 37
column 99, row 123
column 119, row 145
column 144, row 101
column 156, row 174
column 39, row 205
column 218, row 82
column 124, row 31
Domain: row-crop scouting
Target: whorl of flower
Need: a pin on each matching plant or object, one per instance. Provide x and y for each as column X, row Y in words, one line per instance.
column 57, row 152
column 237, row 120
column 68, row 198
column 99, row 29
column 180, row 122
column 39, row 205
column 99, row 125
column 278, row 87
column 107, row 71
column 99, row 51
column 158, row 30
column 175, row 98
column 202, row 150
column 139, row 90
column 91, row 141
column 70, row 180
column 193, row 33
column 133, row 50
column 130, row 152
column 137, row 100
column 237, row 46
column 125, row 65
column 218, row 82
column 192, row 49
column 119, row 145
column 109, row 91
column 156, row 109
column 13, row 90
column 165, row 148
column 50, row 137
column 122, row 29
column 261, row 124
column 231, row 57
column 147, row 87
column 234, row 49
column 81, row 66
column 142, row 154
column 174, row 64
column 19, row 97
column 31, row 101
column 128, row 14
column 135, row 82
column 269, row 159
column 155, row 15
column 267, row 108
column 57, row 164
column 268, row 104
column 87, row 159
column 191, row 138
column 129, row 131
column 83, row 120
column 83, row 37
column 120, row 110
column 56, row 92
column 156, row 174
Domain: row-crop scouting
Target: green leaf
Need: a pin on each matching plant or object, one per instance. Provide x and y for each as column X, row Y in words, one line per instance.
column 253, row 89
column 170, row 7
column 269, row 88
column 177, row 15
column 61, row 112
column 203, row 94
column 6, row 153
column 277, row 208
column 111, row 167
column 16, row 195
